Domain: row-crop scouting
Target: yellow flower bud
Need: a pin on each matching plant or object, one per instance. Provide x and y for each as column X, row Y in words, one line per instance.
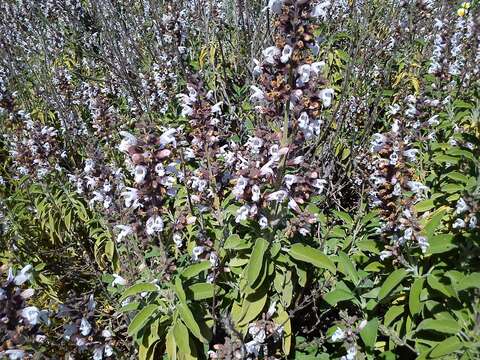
column 466, row 5
column 461, row 12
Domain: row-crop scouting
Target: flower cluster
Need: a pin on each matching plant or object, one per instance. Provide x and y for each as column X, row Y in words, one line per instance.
column 20, row 324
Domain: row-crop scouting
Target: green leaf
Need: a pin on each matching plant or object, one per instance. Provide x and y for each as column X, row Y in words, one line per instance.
column 347, row 219
column 256, row 263
column 435, row 283
column 312, row 256
column 202, row 291
column 252, row 307
column 189, row 320
column 337, row 295
column 446, row 347
column 346, row 267
column 441, row 243
column 392, row 313
column 171, row 345
column 179, row 290
column 470, row 281
column 446, row 326
column 391, row 282
column 424, row 205
column 137, row 289
column 195, row 269
column 414, row 303
column 369, row 333
column 141, row 318
column 181, row 336
column 234, row 242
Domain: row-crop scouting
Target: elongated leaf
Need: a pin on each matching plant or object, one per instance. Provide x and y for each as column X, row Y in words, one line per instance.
column 171, row 345
column 202, row 291
column 369, row 333
column 181, row 336
column 137, row 289
column 347, row 267
column 189, row 320
column 391, row 282
column 234, row 242
column 447, row 326
column 252, row 307
column 337, row 295
column 312, row 256
column 195, row 269
column 141, row 318
column 256, row 263
column 446, row 347
column 414, row 303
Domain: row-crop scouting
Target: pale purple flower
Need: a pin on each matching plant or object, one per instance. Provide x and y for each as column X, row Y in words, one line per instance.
column 326, row 95
column 154, row 225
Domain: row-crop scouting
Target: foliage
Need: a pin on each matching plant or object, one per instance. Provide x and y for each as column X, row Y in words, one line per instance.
column 175, row 198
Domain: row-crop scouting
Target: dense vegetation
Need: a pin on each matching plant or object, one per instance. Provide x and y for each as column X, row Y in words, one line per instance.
column 164, row 194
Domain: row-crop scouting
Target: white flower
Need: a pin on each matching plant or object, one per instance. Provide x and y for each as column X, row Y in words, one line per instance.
column 270, row 54
column 31, row 314
column 89, row 166
column 118, row 280
column 127, row 141
column 255, row 144
column 385, row 254
column 393, row 109
column 472, row 224
column 378, row 142
column 292, row 204
column 196, row 252
column 239, row 187
column 461, row 206
column 217, row 108
column 186, row 110
column 339, row 334
column 255, row 193
column 351, row 354
column 258, row 334
column 458, row 224
column 423, row 243
column 15, row 354
column 168, row 138
column 125, row 230
column 433, row 121
column 411, row 154
column 140, row 174
column 274, row 6
column 177, row 239
column 23, row 276
column 326, row 95
column 417, row 187
column 98, row 353
column 108, row 350
column 257, row 95
column 85, row 327
column 106, row 333
column 278, row 196
column 317, row 67
column 242, row 213
column 263, row 222
column 213, row 259
column 159, row 169
column 303, row 74
column 154, row 224
column 290, row 180
column 286, row 54
column 319, row 184
column 131, row 197
column 319, row 11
